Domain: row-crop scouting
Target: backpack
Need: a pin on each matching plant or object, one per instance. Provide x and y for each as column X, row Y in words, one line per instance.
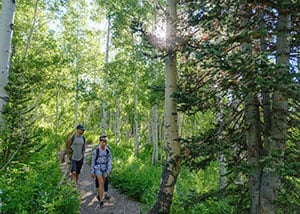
column 69, row 143
column 98, row 154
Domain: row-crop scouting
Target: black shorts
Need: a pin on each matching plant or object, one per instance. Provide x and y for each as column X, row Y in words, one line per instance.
column 76, row 166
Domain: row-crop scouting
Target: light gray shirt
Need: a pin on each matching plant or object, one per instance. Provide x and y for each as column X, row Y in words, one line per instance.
column 78, row 147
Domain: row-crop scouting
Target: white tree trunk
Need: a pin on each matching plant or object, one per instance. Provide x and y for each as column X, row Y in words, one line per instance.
column 76, row 90
column 173, row 162
column 155, row 134
column 6, row 29
column 56, row 110
column 118, row 121
column 31, row 31
column 154, row 122
column 136, row 122
column 104, row 113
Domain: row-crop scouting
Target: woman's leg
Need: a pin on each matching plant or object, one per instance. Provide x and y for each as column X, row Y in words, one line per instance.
column 101, row 187
column 106, row 187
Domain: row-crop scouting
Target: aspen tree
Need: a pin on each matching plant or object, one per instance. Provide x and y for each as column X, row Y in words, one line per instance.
column 6, row 30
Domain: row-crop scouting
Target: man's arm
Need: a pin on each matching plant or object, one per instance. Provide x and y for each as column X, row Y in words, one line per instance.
column 83, row 147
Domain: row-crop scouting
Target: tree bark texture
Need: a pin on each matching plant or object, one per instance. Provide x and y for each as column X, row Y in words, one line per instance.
column 76, row 89
column 104, row 112
column 173, row 162
column 154, row 130
column 254, row 150
column 265, row 143
column 270, row 181
column 6, row 30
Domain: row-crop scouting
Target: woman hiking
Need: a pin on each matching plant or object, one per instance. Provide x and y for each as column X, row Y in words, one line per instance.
column 101, row 166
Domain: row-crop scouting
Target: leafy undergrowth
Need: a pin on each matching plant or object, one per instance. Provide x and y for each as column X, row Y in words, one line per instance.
column 140, row 180
column 31, row 186
column 135, row 177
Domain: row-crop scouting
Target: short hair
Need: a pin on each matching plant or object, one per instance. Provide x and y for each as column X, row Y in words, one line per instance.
column 103, row 137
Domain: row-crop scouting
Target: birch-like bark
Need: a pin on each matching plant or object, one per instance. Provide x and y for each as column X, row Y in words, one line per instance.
column 6, row 30
column 56, row 110
column 76, row 89
column 173, row 162
column 136, row 122
column 31, row 31
column 104, row 113
column 118, row 121
column 154, row 130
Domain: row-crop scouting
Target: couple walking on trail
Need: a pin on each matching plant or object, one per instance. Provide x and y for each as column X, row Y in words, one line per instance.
column 101, row 164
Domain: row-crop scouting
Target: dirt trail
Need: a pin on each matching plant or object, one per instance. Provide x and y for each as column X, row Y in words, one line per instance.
column 117, row 204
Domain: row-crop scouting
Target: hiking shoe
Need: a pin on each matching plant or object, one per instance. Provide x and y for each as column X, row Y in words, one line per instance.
column 106, row 197
column 101, row 204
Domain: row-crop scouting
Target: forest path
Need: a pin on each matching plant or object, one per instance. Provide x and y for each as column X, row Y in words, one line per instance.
column 117, row 204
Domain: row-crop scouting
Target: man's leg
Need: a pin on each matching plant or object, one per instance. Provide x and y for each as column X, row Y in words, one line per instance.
column 74, row 176
column 78, row 170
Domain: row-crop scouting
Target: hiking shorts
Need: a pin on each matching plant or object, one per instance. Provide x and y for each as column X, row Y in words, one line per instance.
column 100, row 172
column 76, row 166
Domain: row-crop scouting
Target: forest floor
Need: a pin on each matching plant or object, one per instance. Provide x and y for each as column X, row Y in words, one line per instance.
column 117, row 204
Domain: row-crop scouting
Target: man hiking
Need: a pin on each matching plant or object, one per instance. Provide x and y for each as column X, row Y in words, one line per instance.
column 75, row 149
